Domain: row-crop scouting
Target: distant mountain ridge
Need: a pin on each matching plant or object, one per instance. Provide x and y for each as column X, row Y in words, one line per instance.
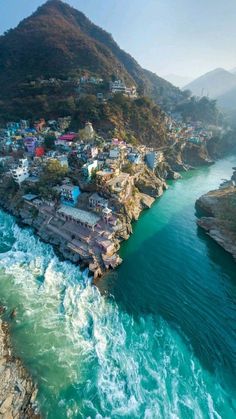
column 213, row 84
column 228, row 99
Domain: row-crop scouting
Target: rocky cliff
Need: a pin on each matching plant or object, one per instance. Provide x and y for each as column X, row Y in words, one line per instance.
column 17, row 391
column 184, row 156
column 218, row 216
column 222, row 144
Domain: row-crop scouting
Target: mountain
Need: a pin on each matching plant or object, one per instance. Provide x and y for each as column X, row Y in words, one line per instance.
column 45, row 56
column 179, row 81
column 58, row 41
column 213, row 84
column 228, row 100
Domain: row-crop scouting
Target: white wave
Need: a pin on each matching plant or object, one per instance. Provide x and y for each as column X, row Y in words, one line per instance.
column 77, row 339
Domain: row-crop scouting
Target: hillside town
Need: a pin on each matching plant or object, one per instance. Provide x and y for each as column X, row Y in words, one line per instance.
column 81, row 191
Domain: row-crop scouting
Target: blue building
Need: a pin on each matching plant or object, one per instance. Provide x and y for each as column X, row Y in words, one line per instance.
column 153, row 158
column 70, row 195
column 134, row 158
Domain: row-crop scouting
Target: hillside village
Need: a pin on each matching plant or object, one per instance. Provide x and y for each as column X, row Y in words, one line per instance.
column 81, row 191
column 88, row 138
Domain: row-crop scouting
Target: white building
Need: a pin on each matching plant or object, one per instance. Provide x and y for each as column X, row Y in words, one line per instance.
column 118, row 86
column 21, row 173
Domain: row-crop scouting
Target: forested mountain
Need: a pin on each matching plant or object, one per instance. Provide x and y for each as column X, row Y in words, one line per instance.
column 59, row 41
column 43, row 59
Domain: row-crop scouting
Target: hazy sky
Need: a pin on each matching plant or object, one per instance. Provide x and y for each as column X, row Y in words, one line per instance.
column 185, row 37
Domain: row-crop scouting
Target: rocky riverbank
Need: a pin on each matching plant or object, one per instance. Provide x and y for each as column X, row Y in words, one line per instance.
column 94, row 249
column 17, row 391
column 97, row 249
column 218, row 210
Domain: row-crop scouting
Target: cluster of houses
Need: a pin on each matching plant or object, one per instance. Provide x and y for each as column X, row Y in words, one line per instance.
column 192, row 132
column 88, row 84
column 24, row 154
column 98, row 172
column 96, row 156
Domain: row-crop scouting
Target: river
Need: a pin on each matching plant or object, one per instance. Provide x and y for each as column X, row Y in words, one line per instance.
column 157, row 339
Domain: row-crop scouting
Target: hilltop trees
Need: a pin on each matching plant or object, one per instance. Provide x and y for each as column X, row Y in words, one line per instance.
column 53, row 173
column 200, row 109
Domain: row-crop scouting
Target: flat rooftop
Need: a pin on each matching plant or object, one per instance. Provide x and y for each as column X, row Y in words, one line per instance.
column 85, row 217
column 29, row 197
column 99, row 199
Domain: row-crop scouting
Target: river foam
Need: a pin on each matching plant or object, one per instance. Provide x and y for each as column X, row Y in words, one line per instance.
column 90, row 358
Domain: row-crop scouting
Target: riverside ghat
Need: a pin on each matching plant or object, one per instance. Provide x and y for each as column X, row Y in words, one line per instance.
column 81, row 192
column 81, row 236
column 89, row 230
column 65, row 326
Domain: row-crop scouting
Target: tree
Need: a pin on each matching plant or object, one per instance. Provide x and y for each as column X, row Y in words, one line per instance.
column 53, row 173
column 49, row 142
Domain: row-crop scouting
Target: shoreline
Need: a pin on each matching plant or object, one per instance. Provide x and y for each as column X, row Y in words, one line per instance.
column 97, row 250
column 33, row 413
column 218, row 214
column 91, row 247
column 17, row 391
column 23, row 220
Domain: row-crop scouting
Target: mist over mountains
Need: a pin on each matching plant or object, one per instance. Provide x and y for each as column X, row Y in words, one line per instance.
column 217, row 84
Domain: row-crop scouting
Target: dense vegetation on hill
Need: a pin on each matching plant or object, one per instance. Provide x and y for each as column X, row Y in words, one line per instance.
column 200, row 109
column 60, row 43
column 138, row 120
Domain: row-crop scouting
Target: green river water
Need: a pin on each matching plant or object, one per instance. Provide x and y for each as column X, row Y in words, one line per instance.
column 157, row 339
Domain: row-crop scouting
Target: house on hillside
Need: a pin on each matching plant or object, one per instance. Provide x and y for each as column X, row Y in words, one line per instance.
column 21, row 172
column 118, row 86
column 97, row 202
column 69, row 195
column 134, row 158
column 88, row 168
column 30, row 144
column 153, row 158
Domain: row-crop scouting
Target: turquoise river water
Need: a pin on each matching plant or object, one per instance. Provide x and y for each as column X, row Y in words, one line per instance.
column 157, row 339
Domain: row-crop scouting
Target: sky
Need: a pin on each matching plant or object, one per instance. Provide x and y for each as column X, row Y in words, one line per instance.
column 183, row 37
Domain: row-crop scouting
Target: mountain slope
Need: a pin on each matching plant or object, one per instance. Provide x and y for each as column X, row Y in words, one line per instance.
column 177, row 80
column 51, row 43
column 59, row 41
column 213, row 84
column 42, row 60
column 228, row 99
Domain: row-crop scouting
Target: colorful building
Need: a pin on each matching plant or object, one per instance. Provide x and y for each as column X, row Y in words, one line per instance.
column 30, row 144
column 21, row 172
column 70, row 195
column 153, row 158
column 39, row 151
column 89, row 167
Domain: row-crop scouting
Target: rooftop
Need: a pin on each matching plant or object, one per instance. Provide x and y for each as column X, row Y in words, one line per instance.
column 68, row 187
column 29, row 197
column 79, row 215
column 99, row 199
column 67, row 137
